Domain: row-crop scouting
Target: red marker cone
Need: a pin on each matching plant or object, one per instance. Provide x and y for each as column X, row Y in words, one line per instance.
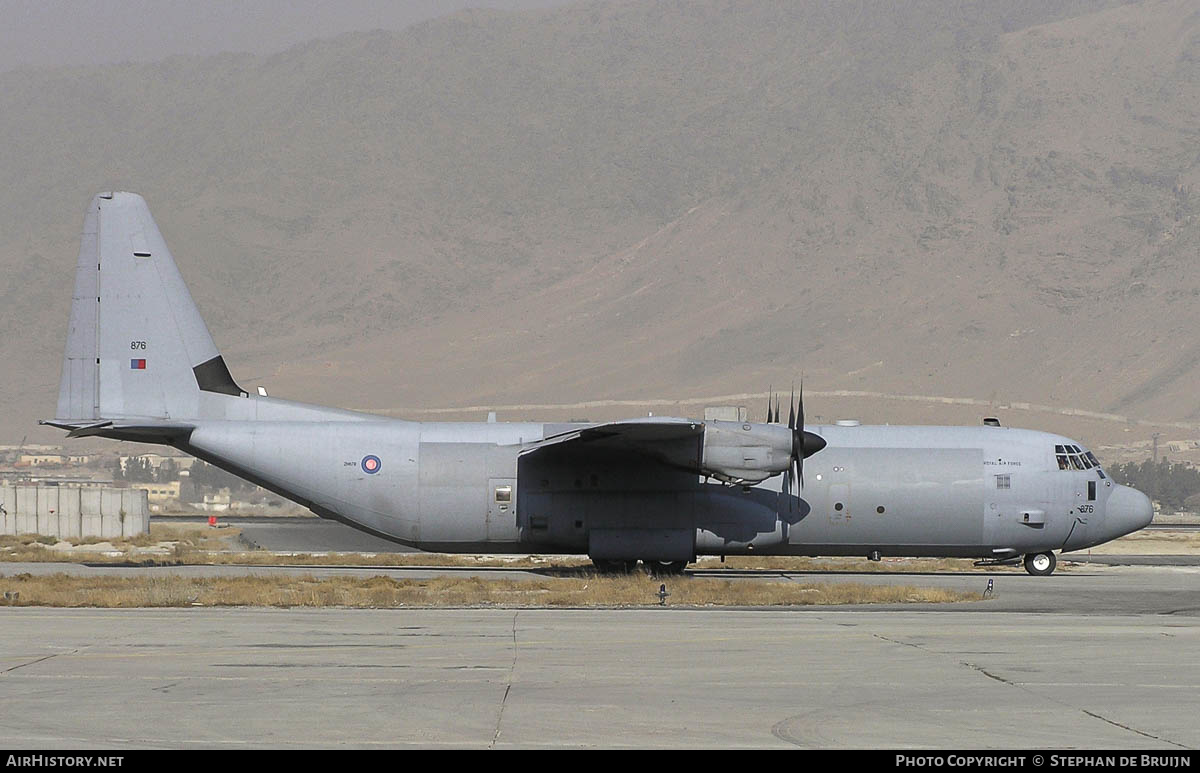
column 212, row 520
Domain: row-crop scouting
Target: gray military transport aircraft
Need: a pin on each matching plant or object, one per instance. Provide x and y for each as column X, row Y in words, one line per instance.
column 141, row 365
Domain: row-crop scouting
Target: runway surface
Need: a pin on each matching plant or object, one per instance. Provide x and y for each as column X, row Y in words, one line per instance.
column 302, row 535
column 633, row 678
column 1095, row 656
column 1090, row 657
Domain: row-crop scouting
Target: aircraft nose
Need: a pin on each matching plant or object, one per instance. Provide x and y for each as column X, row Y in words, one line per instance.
column 1127, row 511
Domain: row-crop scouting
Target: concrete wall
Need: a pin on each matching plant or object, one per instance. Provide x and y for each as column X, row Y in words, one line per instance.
column 61, row 511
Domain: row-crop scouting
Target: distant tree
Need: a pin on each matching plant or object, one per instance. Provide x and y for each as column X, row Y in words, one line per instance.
column 1171, row 485
column 166, row 472
column 209, row 479
column 139, row 470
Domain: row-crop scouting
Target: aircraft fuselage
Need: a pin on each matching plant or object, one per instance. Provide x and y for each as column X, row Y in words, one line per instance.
column 987, row 492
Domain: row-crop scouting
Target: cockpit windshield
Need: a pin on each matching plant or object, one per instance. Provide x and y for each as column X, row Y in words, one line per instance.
column 1072, row 457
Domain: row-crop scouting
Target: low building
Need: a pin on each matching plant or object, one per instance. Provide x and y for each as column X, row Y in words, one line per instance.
column 49, row 479
column 216, row 503
column 159, row 493
column 39, row 460
column 156, row 461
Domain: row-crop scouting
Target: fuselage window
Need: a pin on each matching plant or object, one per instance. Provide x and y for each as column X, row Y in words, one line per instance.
column 1063, row 464
column 1075, row 462
column 1091, row 491
column 1092, row 458
column 504, row 493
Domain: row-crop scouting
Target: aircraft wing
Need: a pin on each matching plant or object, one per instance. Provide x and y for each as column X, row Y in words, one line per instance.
column 677, row 442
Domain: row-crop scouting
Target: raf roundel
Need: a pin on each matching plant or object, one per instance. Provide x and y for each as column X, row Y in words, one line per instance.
column 371, row 464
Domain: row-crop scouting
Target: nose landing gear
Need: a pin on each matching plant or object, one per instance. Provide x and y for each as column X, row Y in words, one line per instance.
column 1040, row 564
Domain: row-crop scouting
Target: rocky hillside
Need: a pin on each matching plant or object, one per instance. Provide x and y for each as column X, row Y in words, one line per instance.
column 992, row 199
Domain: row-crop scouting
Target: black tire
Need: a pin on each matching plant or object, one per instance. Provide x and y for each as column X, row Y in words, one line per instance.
column 1040, row 564
column 664, row 568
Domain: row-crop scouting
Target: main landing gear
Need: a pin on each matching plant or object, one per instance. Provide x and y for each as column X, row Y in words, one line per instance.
column 1040, row 564
column 664, row 568
column 653, row 568
column 609, row 566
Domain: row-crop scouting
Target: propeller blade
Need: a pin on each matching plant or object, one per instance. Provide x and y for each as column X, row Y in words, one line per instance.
column 800, row 425
column 768, row 404
column 792, row 409
column 800, row 432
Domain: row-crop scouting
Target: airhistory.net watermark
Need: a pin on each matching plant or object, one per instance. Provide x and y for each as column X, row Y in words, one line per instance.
column 62, row 761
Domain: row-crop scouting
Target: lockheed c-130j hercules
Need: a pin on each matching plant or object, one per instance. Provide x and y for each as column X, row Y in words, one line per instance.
column 141, row 365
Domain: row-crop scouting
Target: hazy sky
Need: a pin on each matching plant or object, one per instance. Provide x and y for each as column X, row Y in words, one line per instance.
column 48, row 33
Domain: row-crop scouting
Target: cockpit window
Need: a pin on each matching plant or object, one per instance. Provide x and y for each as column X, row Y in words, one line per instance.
column 1072, row 457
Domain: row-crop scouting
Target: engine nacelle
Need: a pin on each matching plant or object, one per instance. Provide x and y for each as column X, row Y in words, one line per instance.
column 745, row 453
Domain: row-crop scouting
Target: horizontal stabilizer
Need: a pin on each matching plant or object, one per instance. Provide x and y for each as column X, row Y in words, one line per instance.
column 138, row 431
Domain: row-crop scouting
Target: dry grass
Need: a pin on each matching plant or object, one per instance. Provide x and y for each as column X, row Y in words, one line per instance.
column 164, row 544
column 60, row 590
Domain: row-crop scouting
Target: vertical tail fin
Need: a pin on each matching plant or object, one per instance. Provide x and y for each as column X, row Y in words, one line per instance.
column 136, row 344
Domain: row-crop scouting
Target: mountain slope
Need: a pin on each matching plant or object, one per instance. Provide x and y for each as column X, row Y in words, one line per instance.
column 990, row 199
